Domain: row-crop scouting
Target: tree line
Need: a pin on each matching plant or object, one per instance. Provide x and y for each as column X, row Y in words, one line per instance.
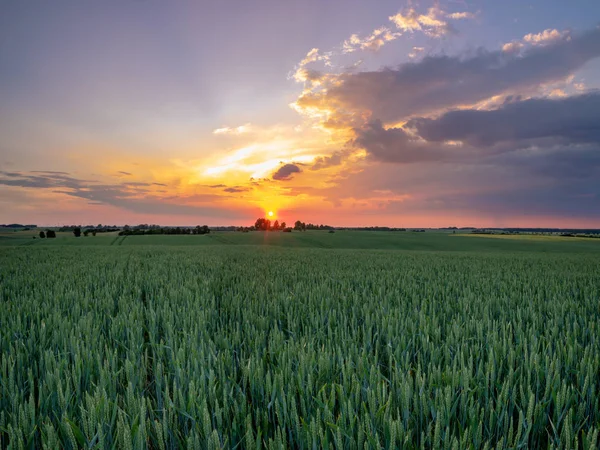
column 198, row 230
column 264, row 224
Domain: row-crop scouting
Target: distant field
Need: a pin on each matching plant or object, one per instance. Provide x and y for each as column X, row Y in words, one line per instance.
column 531, row 237
column 349, row 340
column 429, row 241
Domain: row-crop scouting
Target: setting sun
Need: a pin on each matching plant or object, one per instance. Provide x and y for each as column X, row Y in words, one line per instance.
column 270, row 213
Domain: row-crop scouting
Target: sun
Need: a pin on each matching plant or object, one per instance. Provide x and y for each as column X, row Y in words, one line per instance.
column 270, row 213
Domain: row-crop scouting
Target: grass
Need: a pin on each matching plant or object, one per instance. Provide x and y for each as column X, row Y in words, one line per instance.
column 302, row 340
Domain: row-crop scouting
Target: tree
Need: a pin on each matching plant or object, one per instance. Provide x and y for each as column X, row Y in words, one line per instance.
column 276, row 225
column 50, row 234
column 86, row 232
column 93, row 232
column 262, row 224
column 42, row 235
column 77, row 231
column 283, row 225
column 200, row 230
column 298, row 225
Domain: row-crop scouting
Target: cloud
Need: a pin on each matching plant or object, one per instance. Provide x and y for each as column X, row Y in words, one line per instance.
column 236, row 189
column 438, row 82
column 461, row 130
column 236, row 130
column 314, row 55
column 396, row 145
column 335, row 159
column 377, row 39
column 416, row 51
column 489, row 188
column 512, row 47
column 301, row 74
column 536, row 157
column 41, row 179
column 286, row 172
column 432, row 23
column 124, row 173
column 546, row 37
column 470, row 136
column 565, row 120
column 50, row 172
column 133, row 197
column 461, row 15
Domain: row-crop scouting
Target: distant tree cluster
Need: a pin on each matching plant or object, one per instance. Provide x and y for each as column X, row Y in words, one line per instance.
column 539, row 232
column 136, row 231
column 77, row 230
column 48, row 234
column 17, row 225
column 301, row 226
column 371, row 229
column 266, row 225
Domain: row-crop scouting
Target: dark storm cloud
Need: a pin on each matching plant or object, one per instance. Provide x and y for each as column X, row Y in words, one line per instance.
column 395, row 145
column 439, row 82
column 573, row 119
column 286, row 172
column 560, row 163
column 544, row 124
column 579, row 199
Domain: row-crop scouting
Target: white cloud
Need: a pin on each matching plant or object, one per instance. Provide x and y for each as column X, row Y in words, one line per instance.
column 377, row 39
column 433, row 23
column 545, row 37
column 512, row 47
column 236, row 130
column 301, row 74
column 461, row 15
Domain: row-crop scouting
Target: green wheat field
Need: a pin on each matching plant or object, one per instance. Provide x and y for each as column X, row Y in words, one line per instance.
column 352, row 340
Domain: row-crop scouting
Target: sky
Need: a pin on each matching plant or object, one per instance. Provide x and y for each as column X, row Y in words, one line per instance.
column 343, row 112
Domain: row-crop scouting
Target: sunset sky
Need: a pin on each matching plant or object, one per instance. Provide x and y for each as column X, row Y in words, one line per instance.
column 344, row 112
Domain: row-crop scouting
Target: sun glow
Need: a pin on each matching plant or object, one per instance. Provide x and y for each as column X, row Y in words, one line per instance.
column 270, row 213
